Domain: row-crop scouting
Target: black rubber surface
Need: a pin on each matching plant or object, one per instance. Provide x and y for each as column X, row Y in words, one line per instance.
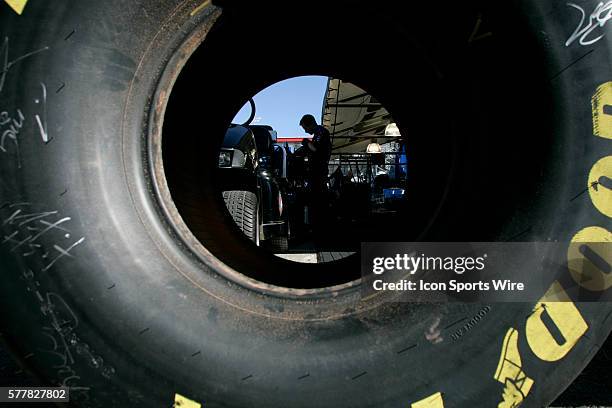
column 591, row 387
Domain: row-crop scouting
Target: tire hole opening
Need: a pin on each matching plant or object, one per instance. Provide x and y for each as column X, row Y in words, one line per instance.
column 457, row 153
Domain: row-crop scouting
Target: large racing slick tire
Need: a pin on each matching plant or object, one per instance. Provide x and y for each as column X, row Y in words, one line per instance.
column 122, row 280
column 242, row 206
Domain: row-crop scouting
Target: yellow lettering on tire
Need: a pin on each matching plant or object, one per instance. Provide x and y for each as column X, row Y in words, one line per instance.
column 183, row 402
column 584, row 271
column 564, row 314
column 510, row 372
column 602, row 117
column 601, row 195
column 17, row 5
column 433, row 401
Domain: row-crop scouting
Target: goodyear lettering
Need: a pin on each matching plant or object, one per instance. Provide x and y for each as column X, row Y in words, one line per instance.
column 600, row 185
column 17, row 5
column 588, row 264
column 566, row 317
column 433, row 401
column 602, row 111
column 589, row 258
column 184, row 402
column 510, row 372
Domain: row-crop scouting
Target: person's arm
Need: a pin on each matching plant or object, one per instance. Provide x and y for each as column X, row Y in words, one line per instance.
column 311, row 146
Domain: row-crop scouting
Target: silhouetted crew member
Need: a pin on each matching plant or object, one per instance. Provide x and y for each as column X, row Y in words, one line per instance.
column 319, row 152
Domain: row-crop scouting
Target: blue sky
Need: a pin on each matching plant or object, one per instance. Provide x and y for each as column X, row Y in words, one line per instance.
column 283, row 104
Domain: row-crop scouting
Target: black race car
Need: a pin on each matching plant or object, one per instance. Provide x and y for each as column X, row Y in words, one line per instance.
column 251, row 169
